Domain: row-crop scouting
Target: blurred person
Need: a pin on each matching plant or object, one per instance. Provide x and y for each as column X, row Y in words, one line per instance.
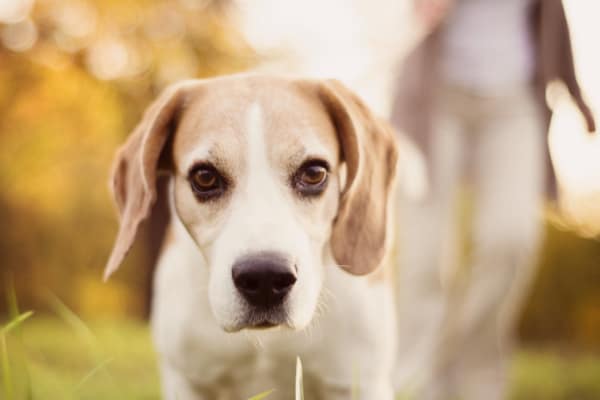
column 358, row 42
column 472, row 95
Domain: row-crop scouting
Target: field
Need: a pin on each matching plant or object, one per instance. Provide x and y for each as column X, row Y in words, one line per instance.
column 64, row 358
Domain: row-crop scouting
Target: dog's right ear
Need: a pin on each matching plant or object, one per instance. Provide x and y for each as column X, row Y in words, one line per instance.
column 360, row 232
column 135, row 169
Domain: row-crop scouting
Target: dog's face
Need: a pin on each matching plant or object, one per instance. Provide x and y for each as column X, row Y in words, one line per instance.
column 256, row 186
column 256, row 164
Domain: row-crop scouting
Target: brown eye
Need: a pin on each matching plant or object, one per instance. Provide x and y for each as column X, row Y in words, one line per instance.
column 311, row 178
column 313, row 175
column 204, row 179
column 206, row 182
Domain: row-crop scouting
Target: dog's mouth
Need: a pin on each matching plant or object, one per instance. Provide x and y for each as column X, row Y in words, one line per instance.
column 260, row 319
column 263, row 325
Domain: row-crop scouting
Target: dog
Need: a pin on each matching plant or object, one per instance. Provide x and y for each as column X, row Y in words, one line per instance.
column 280, row 192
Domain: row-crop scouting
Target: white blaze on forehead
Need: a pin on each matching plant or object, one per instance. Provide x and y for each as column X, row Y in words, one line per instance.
column 260, row 206
column 262, row 209
column 257, row 154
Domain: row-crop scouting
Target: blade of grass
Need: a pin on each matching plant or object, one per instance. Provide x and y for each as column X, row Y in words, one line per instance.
column 15, row 322
column 93, row 372
column 6, row 372
column 262, row 395
column 6, row 369
column 11, row 297
column 83, row 331
column 299, row 380
column 80, row 327
column 13, row 312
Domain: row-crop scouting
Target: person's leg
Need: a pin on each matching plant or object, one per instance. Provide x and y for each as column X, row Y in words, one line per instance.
column 424, row 228
column 506, row 234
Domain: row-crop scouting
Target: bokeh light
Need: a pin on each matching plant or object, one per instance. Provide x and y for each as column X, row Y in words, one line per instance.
column 20, row 36
column 13, row 11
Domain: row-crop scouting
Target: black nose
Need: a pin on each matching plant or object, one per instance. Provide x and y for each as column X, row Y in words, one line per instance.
column 263, row 279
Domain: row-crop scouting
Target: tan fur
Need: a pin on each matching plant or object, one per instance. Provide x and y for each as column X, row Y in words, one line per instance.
column 135, row 169
column 291, row 112
column 368, row 147
column 359, row 239
column 386, row 273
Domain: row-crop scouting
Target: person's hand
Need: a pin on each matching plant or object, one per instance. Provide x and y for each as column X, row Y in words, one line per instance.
column 431, row 12
column 587, row 116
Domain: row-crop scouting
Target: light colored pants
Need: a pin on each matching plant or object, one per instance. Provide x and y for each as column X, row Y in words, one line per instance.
column 456, row 324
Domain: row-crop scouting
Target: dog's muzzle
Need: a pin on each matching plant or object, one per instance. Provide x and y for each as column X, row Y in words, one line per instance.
column 264, row 281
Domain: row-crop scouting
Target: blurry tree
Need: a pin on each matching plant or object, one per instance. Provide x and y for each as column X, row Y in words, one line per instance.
column 75, row 76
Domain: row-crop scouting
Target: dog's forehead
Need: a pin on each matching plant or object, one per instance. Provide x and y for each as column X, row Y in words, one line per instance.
column 215, row 117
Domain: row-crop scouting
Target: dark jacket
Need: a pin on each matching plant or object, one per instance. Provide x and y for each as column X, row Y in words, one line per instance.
column 554, row 61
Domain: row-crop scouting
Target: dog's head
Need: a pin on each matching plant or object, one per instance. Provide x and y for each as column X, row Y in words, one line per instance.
column 271, row 178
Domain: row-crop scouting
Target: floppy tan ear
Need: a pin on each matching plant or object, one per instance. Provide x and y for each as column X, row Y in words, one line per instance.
column 135, row 170
column 359, row 236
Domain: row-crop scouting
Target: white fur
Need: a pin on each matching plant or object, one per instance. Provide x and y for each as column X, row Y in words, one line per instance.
column 350, row 339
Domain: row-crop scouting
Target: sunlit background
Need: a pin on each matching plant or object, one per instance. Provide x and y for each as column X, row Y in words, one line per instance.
column 576, row 153
column 75, row 76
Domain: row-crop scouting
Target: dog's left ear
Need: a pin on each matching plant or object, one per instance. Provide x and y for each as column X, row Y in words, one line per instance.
column 359, row 237
column 135, row 170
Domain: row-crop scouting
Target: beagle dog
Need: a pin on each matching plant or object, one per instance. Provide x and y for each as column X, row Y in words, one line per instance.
column 279, row 192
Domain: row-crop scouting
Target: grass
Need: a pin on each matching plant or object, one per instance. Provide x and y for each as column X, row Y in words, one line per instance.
column 53, row 358
column 539, row 375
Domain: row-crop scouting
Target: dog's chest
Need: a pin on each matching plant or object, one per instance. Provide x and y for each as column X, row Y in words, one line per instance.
column 356, row 315
column 234, row 365
column 187, row 336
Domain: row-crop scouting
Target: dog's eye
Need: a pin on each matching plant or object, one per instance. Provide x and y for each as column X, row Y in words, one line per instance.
column 206, row 182
column 311, row 178
column 313, row 175
column 204, row 179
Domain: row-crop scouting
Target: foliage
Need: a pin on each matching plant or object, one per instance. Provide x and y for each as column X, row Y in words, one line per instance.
column 54, row 361
column 67, row 100
column 564, row 304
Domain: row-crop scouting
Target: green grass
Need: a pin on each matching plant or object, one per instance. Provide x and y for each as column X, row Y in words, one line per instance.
column 539, row 375
column 53, row 358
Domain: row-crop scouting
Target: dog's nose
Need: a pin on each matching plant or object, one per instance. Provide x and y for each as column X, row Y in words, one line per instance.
column 263, row 279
